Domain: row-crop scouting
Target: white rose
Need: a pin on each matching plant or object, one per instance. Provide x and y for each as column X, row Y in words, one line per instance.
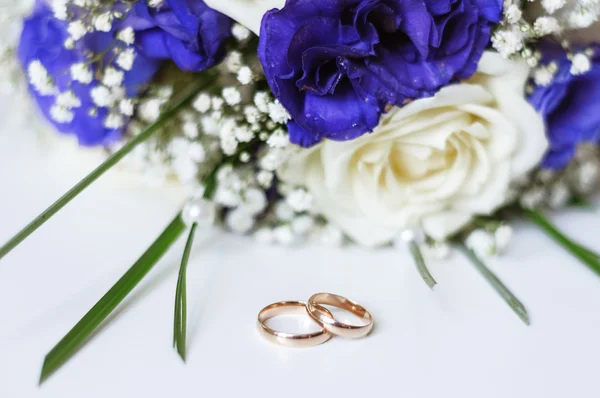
column 247, row 12
column 434, row 163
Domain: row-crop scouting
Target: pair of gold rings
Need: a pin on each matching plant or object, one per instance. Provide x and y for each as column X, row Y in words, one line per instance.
column 314, row 307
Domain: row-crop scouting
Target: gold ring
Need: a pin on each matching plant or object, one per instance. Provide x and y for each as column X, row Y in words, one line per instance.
column 288, row 339
column 315, row 309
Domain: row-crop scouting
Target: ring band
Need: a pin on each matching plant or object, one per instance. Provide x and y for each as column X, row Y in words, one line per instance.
column 288, row 339
column 316, row 310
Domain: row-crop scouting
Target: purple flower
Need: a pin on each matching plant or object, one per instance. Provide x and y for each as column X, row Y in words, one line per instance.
column 570, row 104
column 65, row 101
column 190, row 33
column 336, row 65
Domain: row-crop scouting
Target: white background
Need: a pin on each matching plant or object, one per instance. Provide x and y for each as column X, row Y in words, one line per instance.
column 460, row 340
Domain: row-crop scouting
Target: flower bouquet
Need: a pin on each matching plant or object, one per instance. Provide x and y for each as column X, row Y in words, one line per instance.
column 426, row 125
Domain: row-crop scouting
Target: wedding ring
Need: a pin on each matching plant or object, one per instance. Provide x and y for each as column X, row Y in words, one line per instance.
column 315, row 309
column 288, row 339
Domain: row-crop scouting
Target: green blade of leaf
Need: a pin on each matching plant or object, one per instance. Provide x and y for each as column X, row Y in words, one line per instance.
column 588, row 257
column 82, row 330
column 420, row 263
column 180, row 324
column 100, row 170
column 512, row 301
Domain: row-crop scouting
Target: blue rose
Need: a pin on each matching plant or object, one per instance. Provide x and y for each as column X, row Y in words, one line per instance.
column 570, row 104
column 336, row 65
column 68, row 103
column 190, row 33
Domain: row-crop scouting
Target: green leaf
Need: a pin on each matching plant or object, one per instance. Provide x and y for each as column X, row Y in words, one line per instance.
column 497, row 284
column 420, row 263
column 180, row 324
column 587, row 256
column 86, row 326
column 100, row 170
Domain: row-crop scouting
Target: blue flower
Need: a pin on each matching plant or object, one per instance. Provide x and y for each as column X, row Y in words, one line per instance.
column 336, row 65
column 570, row 104
column 66, row 102
column 190, row 33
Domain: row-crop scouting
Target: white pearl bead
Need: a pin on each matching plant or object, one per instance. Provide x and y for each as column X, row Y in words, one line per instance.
column 200, row 212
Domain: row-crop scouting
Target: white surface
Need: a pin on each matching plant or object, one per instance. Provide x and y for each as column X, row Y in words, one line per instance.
column 458, row 341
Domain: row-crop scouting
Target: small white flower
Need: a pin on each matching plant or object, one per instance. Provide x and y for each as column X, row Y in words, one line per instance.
column 103, row 22
column 245, row 75
column 126, row 107
column 252, row 114
column 239, row 221
column 232, row 95
column 245, row 157
column 559, row 195
column 261, row 100
column 553, row 5
column 155, row 3
column 284, row 235
column 507, row 41
column 60, row 114
column 543, row 76
column 546, row 25
column 68, row 100
column 482, row 243
column 532, row 198
column 581, row 18
column 279, row 139
column 114, row 121
column 243, row 134
column 502, row 237
column 240, row 32
column 126, row 59
column 580, row 64
column 59, row 9
column 233, row 61
column 203, row 103
column 210, row 126
column 300, row 200
column 513, row 14
column 81, row 73
column 265, row 178
column 112, row 77
column 101, row 96
column 77, row 30
column 127, row 36
column 254, row 201
column 40, row 79
column 190, row 130
column 229, row 145
column 284, row 212
column 69, row 44
column 185, row 169
column 217, row 103
column 278, row 113
column 149, row 110
column 196, row 152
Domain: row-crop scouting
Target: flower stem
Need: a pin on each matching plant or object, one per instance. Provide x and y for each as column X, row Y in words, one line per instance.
column 420, row 263
column 90, row 322
column 180, row 324
column 587, row 256
column 100, row 170
column 497, row 284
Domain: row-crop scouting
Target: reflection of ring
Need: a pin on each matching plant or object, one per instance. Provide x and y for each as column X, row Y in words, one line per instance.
column 317, row 312
column 288, row 339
